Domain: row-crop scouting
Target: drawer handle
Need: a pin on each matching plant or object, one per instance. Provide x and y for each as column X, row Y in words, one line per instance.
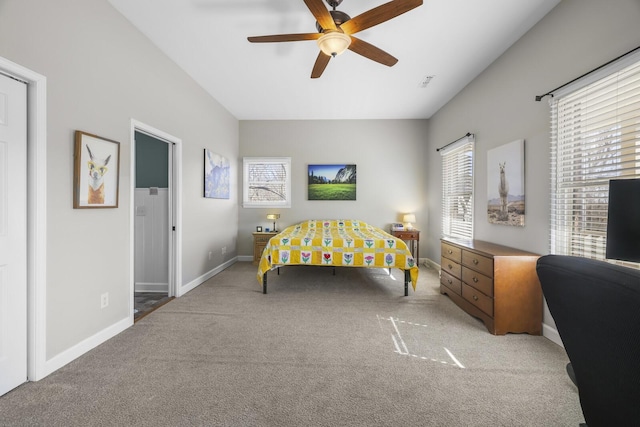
column 449, row 251
column 475, row 298
column 450, row 267
column 450, row 281
column 475, row 261
column 475, row 279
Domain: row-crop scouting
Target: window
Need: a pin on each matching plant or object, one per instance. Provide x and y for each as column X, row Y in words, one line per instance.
column 266, row 182
column 595, row 136
column 457, row 188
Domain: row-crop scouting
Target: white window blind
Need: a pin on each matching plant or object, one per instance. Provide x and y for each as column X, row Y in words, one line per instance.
column 595, row 136
column 457, row 189
column 266, row 182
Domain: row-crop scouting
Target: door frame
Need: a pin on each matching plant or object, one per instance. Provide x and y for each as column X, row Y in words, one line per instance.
column 175, row 208
column 36, row 216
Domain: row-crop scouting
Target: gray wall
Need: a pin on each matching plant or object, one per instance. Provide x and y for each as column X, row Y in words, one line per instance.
column 388, row 154
column 101, row 72
column 499, row 107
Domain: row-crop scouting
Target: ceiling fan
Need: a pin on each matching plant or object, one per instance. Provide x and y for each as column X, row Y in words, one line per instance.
column 336, row 29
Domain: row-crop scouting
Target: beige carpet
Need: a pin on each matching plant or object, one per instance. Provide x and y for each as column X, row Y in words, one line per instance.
column 317, row 350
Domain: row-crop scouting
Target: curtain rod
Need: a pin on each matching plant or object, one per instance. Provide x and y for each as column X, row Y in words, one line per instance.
column 453, row 142
column 539, row 97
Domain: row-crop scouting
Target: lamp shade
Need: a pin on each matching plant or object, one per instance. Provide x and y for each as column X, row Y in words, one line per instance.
column 333, row 43
column 409, row 218
column 273, row 216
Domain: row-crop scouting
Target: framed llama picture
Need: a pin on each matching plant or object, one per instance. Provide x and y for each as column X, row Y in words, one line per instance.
column 505, row 186
column 96, row 171
column 217, row 177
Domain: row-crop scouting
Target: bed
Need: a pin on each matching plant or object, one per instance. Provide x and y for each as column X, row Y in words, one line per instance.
column 337, row 243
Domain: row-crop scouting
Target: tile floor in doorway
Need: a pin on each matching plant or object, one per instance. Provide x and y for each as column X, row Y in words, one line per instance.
column 146, row 302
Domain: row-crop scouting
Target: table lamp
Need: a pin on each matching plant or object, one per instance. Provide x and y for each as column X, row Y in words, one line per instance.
column 274, row 217
column 408, row 219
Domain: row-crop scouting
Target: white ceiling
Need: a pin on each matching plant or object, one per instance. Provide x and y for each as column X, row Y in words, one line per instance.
column 452, row 40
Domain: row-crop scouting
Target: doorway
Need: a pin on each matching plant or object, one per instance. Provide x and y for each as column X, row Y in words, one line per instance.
column 155, row 213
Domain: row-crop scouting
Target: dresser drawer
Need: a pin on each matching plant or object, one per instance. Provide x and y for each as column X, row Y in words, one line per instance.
column 451, row 282
column 477, row 262
column 479, row 281
column 453, row 268
column 478, row 299
column 452, row 252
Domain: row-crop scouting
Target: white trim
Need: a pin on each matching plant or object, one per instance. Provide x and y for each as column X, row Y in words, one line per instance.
column 551, row 334
column 86, row 345
column 200, row 280
column 36, row 216
column 152, row 287
column 175, row 249
column 245, row 258
column 430, row 264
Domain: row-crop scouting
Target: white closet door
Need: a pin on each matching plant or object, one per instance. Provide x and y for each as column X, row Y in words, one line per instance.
column 13, row 233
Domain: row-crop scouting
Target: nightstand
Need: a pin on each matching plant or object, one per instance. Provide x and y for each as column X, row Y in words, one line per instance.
column 413, row 237
column 260, row 240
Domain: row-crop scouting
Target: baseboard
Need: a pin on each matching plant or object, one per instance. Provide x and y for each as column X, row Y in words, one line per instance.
column 429, row 263
column 84, row 346
column 245, row 258
column 200, row 280
column 151, row 287
column 90, row 343
column 552, row 334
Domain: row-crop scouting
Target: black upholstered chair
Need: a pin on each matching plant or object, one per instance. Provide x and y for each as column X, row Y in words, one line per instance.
column 596, row 308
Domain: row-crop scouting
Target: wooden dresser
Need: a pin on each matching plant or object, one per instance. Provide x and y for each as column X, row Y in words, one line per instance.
column 494, row 283
column 260, row 240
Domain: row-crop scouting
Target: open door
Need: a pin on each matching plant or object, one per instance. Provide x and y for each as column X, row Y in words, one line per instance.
column 156, row 207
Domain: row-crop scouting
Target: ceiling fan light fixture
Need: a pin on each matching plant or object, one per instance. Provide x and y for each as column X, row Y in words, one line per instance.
column 333, row 43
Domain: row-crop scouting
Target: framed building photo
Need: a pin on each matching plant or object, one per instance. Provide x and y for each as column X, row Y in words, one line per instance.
column 332, row 182
column 96, row 171
column 505, row 186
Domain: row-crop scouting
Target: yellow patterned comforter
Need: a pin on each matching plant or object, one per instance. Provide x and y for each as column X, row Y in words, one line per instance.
column 337, row 243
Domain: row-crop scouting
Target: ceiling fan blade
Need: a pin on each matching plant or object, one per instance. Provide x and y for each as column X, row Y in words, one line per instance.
column 284, row 38
column 378, row 15
column 370, row 51
column 321, row 63
column 321, row 13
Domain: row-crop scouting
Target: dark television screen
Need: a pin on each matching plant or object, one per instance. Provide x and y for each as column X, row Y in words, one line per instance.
column 623, row 223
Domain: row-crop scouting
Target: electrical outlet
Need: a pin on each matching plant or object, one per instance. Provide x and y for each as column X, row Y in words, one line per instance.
column 224, row 250
column 210, row 253
column 104, row 300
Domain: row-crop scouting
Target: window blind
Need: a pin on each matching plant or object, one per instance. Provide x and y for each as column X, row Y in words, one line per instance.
column 266, row 182
column 457, row 189
column 595, row 136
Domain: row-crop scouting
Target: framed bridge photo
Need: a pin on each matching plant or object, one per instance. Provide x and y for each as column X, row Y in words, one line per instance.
column 505, row 185
column 96, row 171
